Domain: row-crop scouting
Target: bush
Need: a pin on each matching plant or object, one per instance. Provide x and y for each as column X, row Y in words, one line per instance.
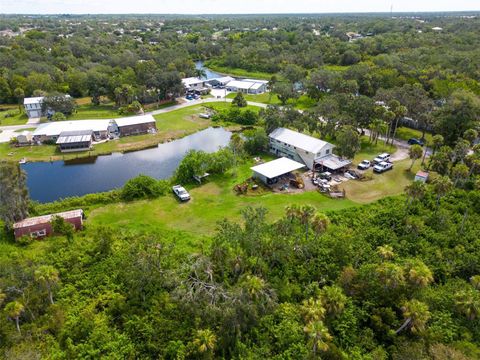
column 239, row 100
column 143, row 187
column 255, row 141
column 58, row 116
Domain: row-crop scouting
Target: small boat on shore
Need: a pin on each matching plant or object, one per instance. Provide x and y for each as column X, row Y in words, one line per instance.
column 22, row 161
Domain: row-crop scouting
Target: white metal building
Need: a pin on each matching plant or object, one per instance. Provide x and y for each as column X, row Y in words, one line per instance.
column 52, row 130
column 269, row 172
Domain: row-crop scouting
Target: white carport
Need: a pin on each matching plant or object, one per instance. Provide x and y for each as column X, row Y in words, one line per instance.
column 272, row 170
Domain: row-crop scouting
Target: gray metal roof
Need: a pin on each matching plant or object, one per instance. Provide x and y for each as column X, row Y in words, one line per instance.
column 299, row 140
column 68, row 137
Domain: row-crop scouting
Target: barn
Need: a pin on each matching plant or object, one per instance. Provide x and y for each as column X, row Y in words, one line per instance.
column 136, row 125
column 41, row 226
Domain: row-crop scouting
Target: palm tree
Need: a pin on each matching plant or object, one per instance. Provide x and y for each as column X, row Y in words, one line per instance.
column 333, row 299
column 14, row 310
column 416, row 316
column 254, row 286
column 419, row 274
column 437, row 141
column 205, row 341
column 414, row 191
column 306, row 213
column 292, row 212
column 468, row 302
column 442, row 186
column 312, row 310
column 200, row 73
column 385, row 252
column 320, row 223
column 392, row 275
column 474, row 280
column 47, row 275
column 318, row 335
column 415, row 152
column 271, row 86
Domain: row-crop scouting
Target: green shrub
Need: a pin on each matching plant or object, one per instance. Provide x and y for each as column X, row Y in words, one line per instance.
column 143, row 187
column 58, row 116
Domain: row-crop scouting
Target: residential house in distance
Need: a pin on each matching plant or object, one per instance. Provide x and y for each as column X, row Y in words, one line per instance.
column 193, row 83
column 248, row 86
column 316, row 154
column 136, row 125
column 33, row 106
column 221, row 81
column 41, row 226
column 70, row 141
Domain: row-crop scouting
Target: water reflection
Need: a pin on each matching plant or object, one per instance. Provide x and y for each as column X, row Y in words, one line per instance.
column 59, row 179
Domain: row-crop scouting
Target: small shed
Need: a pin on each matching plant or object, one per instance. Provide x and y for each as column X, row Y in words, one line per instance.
column 41, row 226
column 421, row 176
column 24, row 138
column 136, row 125
column 70, row 141
column 269, row 172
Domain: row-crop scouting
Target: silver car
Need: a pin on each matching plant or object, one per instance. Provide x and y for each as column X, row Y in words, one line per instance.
column 181, row 193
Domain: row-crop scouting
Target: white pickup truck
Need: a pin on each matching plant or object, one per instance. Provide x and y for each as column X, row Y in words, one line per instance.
column 181, row 193
column 382, row 167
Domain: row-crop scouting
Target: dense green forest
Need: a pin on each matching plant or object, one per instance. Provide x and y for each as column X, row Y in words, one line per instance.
column 395, row 279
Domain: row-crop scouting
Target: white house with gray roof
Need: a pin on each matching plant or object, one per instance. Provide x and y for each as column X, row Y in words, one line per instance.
column 306, row 149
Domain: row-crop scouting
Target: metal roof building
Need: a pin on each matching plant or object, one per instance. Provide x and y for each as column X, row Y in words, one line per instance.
column 298, row 140
column 69, row 141
column 271, row 170
column 54, row 129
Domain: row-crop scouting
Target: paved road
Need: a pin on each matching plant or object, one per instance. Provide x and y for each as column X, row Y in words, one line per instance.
column 401, row 145
column 7, row 132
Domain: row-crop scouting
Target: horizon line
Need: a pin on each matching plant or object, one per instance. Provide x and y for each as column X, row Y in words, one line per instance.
column 260, row 13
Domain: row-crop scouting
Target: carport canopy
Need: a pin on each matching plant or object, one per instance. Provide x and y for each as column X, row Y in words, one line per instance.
column 278, row 167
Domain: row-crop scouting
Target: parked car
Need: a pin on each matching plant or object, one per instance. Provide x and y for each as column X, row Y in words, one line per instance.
column 364, row 165
column 382, row 158
column 382, row 167
column 325, row 175
column 204, row 116
column 414, row 141
column 181, row 193
column 350, row 174
column 189, row 97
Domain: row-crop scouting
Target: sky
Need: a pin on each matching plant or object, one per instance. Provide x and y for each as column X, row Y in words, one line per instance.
column 228, row 6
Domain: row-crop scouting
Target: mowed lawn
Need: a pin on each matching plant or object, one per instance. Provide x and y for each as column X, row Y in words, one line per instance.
column 378, row 186
column 18, row 118
column 210, row 203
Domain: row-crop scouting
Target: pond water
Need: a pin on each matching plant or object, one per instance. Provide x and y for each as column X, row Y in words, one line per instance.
column 209, row 73
column 50, row 181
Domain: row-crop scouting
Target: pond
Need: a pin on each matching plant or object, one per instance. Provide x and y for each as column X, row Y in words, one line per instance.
column 50, row 181
column 209, row 74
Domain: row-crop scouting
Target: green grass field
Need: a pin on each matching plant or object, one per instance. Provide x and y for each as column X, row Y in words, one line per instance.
column 210, row 203
column 390, row 183
column 404, row 133
column 239, row 72
column 17, row 119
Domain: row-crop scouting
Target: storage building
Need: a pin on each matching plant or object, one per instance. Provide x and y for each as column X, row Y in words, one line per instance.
column 52, row 130
column 41, row 226
column 136, row 125
column 269, row 172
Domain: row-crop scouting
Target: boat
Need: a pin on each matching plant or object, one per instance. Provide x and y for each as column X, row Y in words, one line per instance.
column 22, row 161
